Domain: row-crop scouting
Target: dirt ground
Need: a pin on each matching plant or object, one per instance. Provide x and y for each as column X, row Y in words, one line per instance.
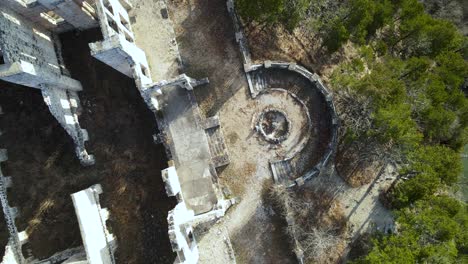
column 364, row 212
column 45, row 170
column 154, row 34
column 208, row 49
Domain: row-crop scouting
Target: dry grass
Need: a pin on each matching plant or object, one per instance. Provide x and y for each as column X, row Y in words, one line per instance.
column 316, row 221
column 301, row 46
column 238, row 179
column 357, row 163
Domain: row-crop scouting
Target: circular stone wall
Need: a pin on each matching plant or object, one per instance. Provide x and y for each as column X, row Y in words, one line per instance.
column 309, row 114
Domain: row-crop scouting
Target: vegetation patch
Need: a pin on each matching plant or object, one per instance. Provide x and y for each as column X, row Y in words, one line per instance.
column 316, row 222
column 398, row 93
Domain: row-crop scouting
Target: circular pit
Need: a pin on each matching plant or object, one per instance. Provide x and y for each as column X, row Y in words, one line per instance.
column 274, row 125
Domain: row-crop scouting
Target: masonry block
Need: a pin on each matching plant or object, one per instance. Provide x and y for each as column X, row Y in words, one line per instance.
column 98, row 243
column 60, row 105
column 79, row 14
column 292, row 67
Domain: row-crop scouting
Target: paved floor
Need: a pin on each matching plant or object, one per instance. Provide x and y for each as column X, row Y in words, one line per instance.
column 188, row 142
column 189, row 147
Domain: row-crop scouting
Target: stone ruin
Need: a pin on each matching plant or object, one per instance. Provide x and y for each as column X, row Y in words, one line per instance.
column 31, row 56
column 258, row 85
column 273, row 125
column 282, row 168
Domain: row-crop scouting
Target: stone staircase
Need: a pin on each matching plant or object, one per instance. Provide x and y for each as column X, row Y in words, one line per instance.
column 281, row 170
column 218, row 149
column 259, row 83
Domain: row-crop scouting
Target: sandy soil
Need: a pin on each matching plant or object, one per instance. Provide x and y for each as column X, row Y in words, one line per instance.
column 45, row 170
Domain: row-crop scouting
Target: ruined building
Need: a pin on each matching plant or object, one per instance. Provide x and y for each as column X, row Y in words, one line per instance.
column 289, row 121
column 30, row 55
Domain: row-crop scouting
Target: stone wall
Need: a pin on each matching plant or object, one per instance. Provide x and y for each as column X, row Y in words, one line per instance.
column 64, row 106
column 31, row 57
column 182, row 221
column 29, row 54
column 179, row 220
column 98, row 242
column 79, row 14
column 312, row 77
column 118, row 49
column 13, row 253
column 315, row 80
column 32, row 10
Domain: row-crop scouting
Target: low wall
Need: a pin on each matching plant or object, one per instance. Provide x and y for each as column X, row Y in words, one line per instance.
column 312, row 77
column 14, row 254
column 98, row 242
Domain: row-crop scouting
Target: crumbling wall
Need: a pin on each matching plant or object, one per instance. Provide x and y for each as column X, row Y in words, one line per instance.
column 240, row 39
column 315, row 80
column 98, row 242
column 181, row 234
column 64, row 106
column 179, row 220
column 78, row 13
column 182, row 221
column 13, row 252
column 118, row 49
column 56, row 15
column 32, row 10
column 31, row 58
column 29, row 54
column 23, row 40
column 312, row 77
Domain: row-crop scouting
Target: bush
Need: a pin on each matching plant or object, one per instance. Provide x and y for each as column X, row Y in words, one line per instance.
column 428, row 233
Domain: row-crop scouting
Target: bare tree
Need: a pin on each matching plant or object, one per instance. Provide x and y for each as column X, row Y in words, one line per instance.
column 315, row 240
column 317, row 244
